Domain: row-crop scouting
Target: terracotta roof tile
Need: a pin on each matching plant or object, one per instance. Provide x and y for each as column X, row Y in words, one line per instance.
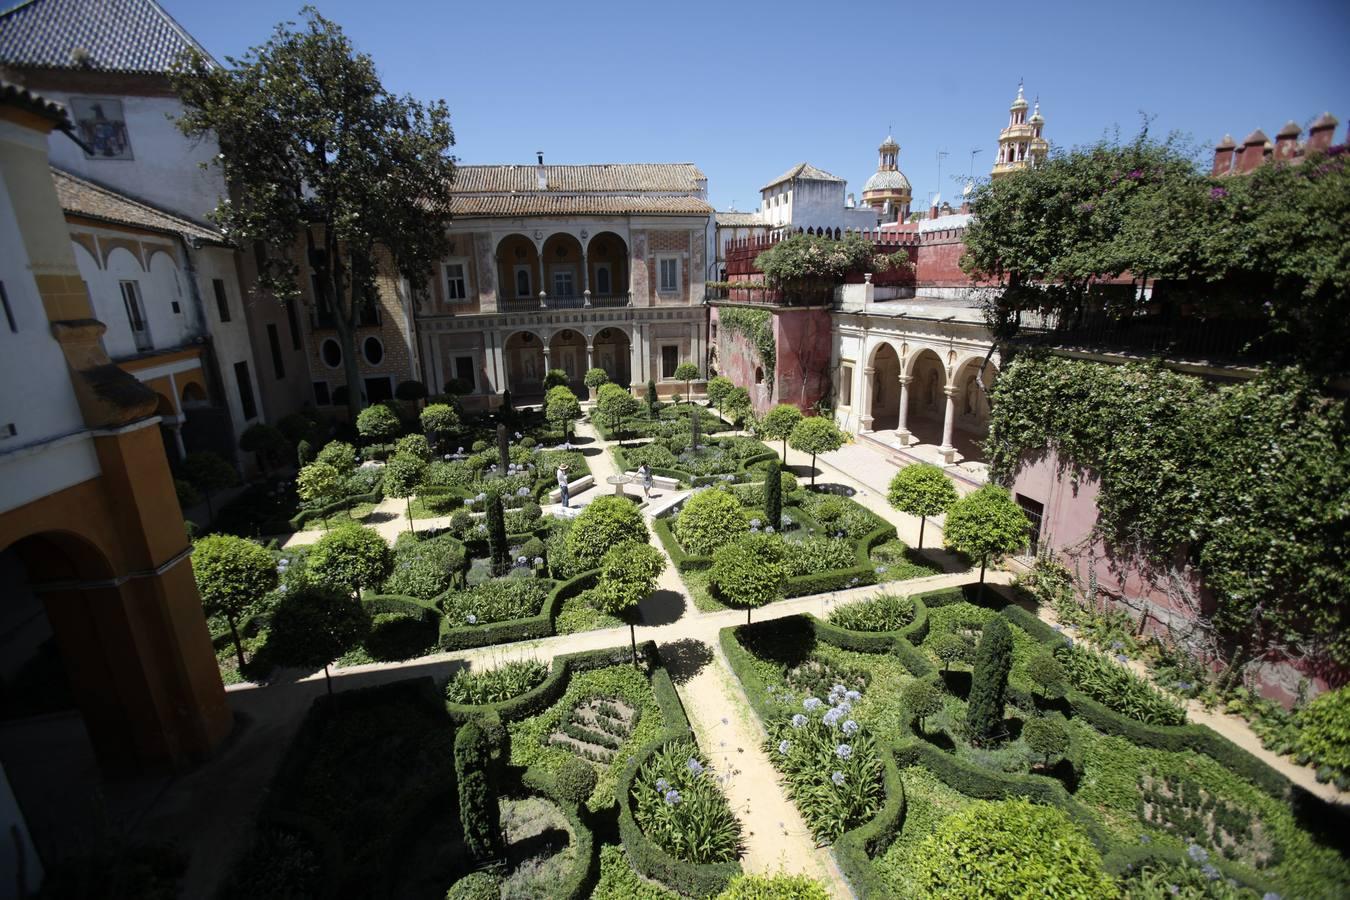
column 22, row 97
column 549, row 204
column 804, row 171
column 739, row 219
column 84, row 198
column 624, row 178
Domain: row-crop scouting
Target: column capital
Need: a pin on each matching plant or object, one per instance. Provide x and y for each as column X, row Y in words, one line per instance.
column 906, row 379
column 869, row 370
column 950, row 391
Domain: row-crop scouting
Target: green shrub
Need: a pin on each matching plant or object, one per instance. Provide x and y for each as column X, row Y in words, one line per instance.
column 922, row 490
column 498, row 600
column 1047, row 735
column 840, row 516
column 413, row 445
column 681, row 809
column 575, row 779
column 1044, row 669
column 922, row 697
column 710, row 519
column 399, row 635
column 1112, row 684
column 498, row 549
column 351, row 557
column 425, row 568
column 774, row 887
column 479, row 816
column 989, row 684
column 340, row 455
column 1160, row 880
column 748, row 572
column 950, row 647
column 814, row 555
column 1324, row 732
column 1011, row 849
column 604, row 523
column 883, row 612
column 378, row 424
column 233, row 576
column 511, row 679
column 188, row 496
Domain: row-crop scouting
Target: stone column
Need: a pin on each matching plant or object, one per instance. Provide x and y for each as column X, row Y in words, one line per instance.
column 902, row 425
column 437, row 366
column 949, row 454
column 865, row 400
column 585, row 278
column 178, row 440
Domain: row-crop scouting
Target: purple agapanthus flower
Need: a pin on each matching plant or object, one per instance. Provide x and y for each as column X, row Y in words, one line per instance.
column 1217, row 193
column 662, row 785
column 783, row 747
column 672, row 797
column 812, row 704
column 837, row 777
column 850, row 727
column 695, row 767
column 843, row 751
column 798, row 721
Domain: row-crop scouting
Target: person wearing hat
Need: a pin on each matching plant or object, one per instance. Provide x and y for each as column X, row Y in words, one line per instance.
column 562, row 481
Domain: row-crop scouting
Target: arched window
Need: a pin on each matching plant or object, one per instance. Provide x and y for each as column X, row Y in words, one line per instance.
column 759, row 375
column 522, row 282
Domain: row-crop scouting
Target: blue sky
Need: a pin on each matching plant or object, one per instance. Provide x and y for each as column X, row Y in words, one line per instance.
column 748, row 89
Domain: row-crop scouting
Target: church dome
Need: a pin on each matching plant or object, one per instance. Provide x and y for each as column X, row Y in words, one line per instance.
column 892, row 180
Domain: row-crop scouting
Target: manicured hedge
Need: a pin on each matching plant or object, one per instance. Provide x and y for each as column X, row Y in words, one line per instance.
column 742, row 475
column 585, row 868
column 861, row 574
column 854, row 850
column 464, row 637
column 300, row 519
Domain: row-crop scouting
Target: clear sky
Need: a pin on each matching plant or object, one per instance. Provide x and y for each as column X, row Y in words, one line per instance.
column 746, row 89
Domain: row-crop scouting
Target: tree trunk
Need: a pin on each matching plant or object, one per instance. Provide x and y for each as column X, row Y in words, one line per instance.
column 785, row 451
column 210, row 512
column 747, row 615
column 632, row 636
column 923, row 521
column 238, row 645
column 813, row 470
column 328, row 679
column 983, row 560
column 411, row 527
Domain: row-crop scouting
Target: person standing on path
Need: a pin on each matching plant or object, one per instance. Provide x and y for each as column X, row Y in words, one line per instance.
column 562, row 482
column 645, row 474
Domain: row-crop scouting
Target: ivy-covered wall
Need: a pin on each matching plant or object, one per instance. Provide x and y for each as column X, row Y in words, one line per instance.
column 746, row 346
column 1146, row 470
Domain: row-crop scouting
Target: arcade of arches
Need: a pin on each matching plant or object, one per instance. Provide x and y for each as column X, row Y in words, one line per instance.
column 924, row 400
column 563, row 268
column 529, row 356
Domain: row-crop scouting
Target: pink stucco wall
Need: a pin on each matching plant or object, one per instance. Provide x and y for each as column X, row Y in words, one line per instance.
column 803, row 339
column 1069, row 496
column 738, row 360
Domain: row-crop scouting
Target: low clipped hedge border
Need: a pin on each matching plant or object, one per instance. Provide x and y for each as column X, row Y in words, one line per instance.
column 585, row 868
column 742, row 474
column 983, row 784
column 854, row 850
column 305, row 516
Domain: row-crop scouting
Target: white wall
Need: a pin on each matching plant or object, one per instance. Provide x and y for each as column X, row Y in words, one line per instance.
column 230, row 339
column 37, row 399
column 164, row 169
column 814, row 204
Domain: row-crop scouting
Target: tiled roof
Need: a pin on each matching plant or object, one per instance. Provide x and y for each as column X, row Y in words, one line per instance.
column 17, row 95
column 539, row 203
column 805, row 172
column 93, row 201
column 739, row 219
column 99, row 35
column 617, row 178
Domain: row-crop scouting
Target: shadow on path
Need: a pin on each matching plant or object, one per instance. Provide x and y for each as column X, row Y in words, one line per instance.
column 684, row 658
column 662, row 608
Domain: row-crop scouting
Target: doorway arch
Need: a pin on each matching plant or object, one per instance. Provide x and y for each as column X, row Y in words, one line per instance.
column 927, row 402
column 567, row 351
column 885, row 388
column 525, row 369
column 613, row 352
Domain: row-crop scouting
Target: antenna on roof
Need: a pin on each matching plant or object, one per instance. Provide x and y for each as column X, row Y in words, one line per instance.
column 941, row 155
column 972, row 162
column 541, row 156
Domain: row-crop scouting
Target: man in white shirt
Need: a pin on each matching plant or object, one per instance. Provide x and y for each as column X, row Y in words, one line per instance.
column 562, row 482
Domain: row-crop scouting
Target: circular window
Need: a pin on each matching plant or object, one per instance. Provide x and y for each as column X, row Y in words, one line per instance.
column 373, row 350
column 331, row 351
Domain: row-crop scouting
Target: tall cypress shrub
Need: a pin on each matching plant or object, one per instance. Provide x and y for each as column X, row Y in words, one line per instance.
column 773, row 495
column 989, row 685
column 503, row 450
column 478, row 812
column 498, row 549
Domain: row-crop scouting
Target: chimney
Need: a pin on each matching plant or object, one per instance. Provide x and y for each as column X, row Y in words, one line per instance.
column 1286, row 141
column 539, row 171
column 849, row 202
column 1223, row 156
column 1321, row 133
column 1253, row 151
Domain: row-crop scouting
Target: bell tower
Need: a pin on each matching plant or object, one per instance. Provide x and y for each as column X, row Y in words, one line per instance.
column 1021, row 144
column 888, row 190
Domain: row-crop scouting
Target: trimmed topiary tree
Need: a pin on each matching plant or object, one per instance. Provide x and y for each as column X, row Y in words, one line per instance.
column 628, row 576
column 209, row 472
column 815, row 435
column 778, row 423
column 304, row 453
column 479, row 815
column 989, row 683
column 922, row 697
column 1003, row 849
column 378, row 424
column 652, row 398
column 503, row 450
column 949, row 648
column 351, row 557
column 499, row 551
column 1048, row 673
column 555, row 378
column 233, row 577
column 922, row 490
column 605, row 523
column 986, row 523
column 710, row 519
column 319, row 484
column 575, row 779
column 613, row 404
column 1046, row 735
column 748, row 572
column 687, row 372
column 439, row 420
column 737, row 404
column 262, row 440
column 595, row 378
column 562, row 408
column 313, row 625
column 340, row 455
column 402, row 474
column 718, row 388
column 410, row 391
column 414, row 445
column 773, row 495
column 476, row 886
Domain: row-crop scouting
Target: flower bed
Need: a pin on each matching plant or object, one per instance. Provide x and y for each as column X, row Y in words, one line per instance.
column 724, row 460
column 670, row 420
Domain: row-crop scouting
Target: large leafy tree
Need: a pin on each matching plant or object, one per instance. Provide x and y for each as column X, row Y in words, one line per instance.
column 233, row 577
column 314, row 148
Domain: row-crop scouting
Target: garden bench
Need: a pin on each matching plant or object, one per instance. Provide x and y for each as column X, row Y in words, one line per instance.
column 574, row 487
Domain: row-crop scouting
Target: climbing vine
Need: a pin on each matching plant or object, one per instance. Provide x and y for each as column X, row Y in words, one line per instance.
column 1250, row 482
column 756, row 326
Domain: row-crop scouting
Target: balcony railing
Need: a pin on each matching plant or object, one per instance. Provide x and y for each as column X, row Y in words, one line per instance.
column 544, row 301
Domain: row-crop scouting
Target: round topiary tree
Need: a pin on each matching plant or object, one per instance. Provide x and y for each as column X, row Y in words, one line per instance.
column 319, row 484
column 414, row 445
column 949, row 648
column 773, row 495
column 737, row 404
column 209, row 472
column 710, row 519
column 603, row 524
column 718, row 388
column 301, row 426
column 614, row 404
column 778, row 423
column 351, row 557
column 402, row 475
column 304, row 453
column 595, row 378
column 1046, row 735
column 774, row 887
column 986, row 523
column 410, row 391
column 562, row 408
column 1009, row 849
column 340, row 455
column 989, row 683
column 439, row 420
column 815, row 435
column 314, row 625
column 922, row 697
column 263, row 441
column 378, row 424
column 1048, row 673
column 233, row 577
column 922, row 490
column 748, row 572
column 687, row 372
column 628, row 574
column 555, row 378
column 575, row 779
column 476, row 886
column 479, row 816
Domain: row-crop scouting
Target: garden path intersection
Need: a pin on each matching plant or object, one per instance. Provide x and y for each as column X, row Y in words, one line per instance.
column 775, row 837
